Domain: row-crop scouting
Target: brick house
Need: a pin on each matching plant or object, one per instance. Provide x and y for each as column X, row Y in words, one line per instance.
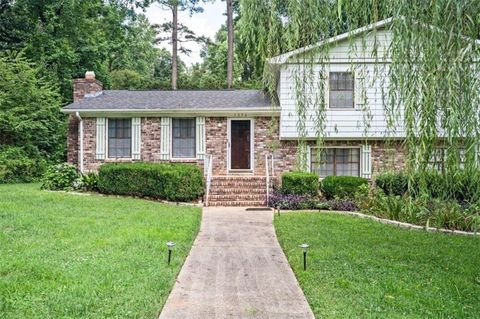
column 236, row 130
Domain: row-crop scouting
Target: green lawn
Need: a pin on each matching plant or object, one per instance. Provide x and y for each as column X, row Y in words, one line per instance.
column 64, row 255
column 363, row 269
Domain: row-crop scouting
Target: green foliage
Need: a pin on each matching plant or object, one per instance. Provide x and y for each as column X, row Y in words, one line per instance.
column 127, row 79
column 89, row 182
column 67, row 38
column 459, row 185
column 61, row 177
column 424, row 211
column 392, row 183
column 300, row 183
column 32, row 129
column 169, row 181
column 18, row 166
column 341, row 186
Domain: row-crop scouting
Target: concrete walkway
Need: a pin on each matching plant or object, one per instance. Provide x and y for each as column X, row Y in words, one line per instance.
column 236, row 269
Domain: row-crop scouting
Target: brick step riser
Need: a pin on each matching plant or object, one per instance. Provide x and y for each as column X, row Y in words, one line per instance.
column 237, row 190
column 230, row 177
column 238, row 186
column 235, row 198
column 237, row 193
column 242, row 203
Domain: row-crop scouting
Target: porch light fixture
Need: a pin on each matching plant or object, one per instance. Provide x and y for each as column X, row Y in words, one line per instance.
column 304, row 248
column 170, row 246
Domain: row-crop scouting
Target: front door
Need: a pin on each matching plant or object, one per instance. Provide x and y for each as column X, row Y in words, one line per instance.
column 240, row 144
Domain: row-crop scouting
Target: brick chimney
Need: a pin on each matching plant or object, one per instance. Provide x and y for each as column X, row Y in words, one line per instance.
column 86, row 87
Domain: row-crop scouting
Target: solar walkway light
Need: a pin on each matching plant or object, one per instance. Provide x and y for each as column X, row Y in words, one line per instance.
column 304, row 248
column 170, row 246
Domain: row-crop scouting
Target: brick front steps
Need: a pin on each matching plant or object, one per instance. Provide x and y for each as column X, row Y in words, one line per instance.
column 238, row 191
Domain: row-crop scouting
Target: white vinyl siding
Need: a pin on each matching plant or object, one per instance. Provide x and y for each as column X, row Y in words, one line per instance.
column 100, row 138
column 371, row 84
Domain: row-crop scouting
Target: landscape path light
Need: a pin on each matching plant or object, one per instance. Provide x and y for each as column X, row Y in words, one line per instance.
column 304, row 248
column 170, row 246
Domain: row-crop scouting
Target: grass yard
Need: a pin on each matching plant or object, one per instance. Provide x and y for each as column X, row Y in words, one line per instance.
column 71, row 256
column 363, row 269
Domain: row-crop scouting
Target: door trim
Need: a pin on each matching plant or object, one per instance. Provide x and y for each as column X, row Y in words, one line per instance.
column 252, row 144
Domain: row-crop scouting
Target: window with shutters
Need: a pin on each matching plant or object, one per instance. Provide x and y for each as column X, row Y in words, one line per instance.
column 439, row 157
column 335, row 161
column 341, row 90
column 119, row 138
column 183, row 138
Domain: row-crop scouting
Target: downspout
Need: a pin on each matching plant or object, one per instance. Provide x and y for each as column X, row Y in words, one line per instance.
column 80, row 128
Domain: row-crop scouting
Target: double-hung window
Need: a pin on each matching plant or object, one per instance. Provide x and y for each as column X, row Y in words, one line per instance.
column 183, row 138
column 335, row 161
column 119, row 138
column 439, row 157
column 341, row 90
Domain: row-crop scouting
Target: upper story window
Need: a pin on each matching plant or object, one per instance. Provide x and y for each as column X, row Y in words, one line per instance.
column 119, row 138
column 335, row 161
column 341, row 92
column 183, row 138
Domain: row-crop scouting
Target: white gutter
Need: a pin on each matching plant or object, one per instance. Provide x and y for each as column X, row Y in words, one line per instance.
column 80, row 129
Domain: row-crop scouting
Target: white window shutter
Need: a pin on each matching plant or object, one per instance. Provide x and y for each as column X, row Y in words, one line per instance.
column 309, row 158
column 136, row 137
column 200, row 137
column 165, row 138
column 366, row 161
column 100, row 138
column 359, row 88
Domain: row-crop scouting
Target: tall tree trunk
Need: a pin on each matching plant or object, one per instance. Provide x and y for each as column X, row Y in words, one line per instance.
column 230, row 43
column 174, row 46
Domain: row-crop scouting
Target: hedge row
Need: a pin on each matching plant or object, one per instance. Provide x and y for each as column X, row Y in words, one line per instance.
column 462, row 185
column 166, row 181
column 307, row 184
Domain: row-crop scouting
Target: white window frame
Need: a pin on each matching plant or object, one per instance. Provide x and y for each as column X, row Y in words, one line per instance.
column 107, row 155
column 172, row 158
column 252, row 143
column 341, row 70
column 359, row 147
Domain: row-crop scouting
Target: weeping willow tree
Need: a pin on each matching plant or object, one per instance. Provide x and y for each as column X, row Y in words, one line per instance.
column 429, row 74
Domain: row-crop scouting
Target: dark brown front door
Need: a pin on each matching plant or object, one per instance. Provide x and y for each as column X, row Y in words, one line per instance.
column 240, row 144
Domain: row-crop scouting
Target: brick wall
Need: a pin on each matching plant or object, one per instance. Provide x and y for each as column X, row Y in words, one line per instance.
column 383, row 157
column 72, row 140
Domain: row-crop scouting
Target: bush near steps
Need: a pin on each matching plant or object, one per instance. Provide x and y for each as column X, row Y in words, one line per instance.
column 167, row 181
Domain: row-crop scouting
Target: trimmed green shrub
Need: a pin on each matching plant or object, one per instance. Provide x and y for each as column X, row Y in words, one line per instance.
column 61, row 177
column 392, row 183
column 300, row 183
column 341, row 186
column 463, row 186
column 168, row 181
column 17, row 166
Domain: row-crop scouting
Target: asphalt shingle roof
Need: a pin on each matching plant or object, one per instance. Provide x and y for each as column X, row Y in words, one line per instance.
column 165, row 100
